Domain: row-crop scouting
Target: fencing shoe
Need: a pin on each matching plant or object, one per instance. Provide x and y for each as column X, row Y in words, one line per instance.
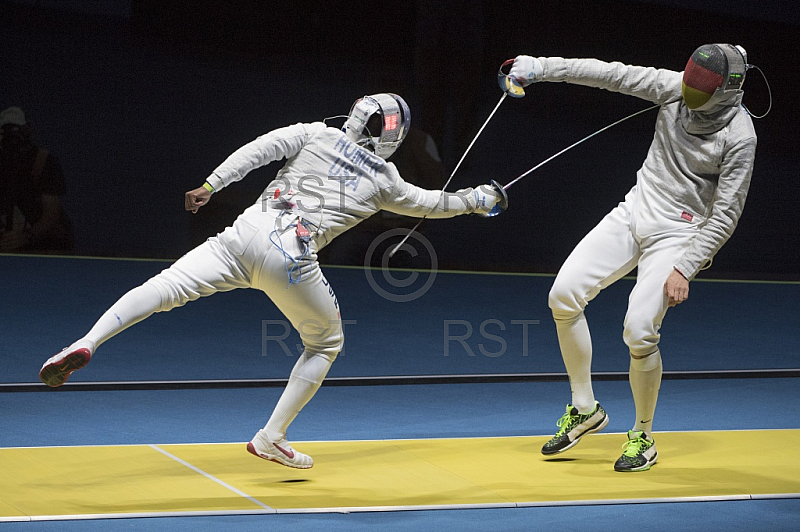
column 279, row 451
column 58, row 368
column 573, row 426
column 639, row 453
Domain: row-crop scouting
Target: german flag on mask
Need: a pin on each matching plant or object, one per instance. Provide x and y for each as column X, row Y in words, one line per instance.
column 704, row 74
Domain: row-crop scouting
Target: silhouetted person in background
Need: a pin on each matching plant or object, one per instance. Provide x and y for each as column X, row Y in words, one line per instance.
column 32, row 218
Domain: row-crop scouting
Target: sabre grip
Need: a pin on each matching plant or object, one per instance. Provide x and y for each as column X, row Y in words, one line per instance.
column 509, row 85
column 502, row 200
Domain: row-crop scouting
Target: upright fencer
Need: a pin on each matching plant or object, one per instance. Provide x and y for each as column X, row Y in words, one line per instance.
column 333, row 179
column 686, row 203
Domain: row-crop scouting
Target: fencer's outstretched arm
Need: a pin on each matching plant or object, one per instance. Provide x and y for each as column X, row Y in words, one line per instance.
column 410, row 200
column 653, row 84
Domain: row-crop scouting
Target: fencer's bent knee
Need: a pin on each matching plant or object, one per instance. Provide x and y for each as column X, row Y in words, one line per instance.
column 328, row 353
column 640, row 335
column 564, row 301
column 172, row 293
column 566, row 318
column 324, row 339
column 641, row 345
column 166, row 294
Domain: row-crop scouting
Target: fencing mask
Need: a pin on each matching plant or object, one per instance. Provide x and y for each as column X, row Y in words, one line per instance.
column 379, row 122
column 713, row 71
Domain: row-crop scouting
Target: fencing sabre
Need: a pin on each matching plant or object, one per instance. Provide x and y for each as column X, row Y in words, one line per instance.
column 509, row 86
column 579, row 142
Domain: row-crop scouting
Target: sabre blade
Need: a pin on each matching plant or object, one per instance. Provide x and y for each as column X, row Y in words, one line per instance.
column 576, row 143
column 478, row 134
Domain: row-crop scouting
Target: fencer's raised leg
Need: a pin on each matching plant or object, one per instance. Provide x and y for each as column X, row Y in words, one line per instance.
column 201, row 272
column 575, row 342
column 131, row 308
column 135, row 306
column 602, row 257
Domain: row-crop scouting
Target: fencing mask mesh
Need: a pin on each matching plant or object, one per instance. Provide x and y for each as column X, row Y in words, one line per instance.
column 712, row 71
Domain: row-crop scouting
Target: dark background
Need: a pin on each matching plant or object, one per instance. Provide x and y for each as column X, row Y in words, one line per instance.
column 141, row 99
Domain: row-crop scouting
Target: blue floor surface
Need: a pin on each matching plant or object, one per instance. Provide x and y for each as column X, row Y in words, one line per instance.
column 464, row 324
column 380, row 412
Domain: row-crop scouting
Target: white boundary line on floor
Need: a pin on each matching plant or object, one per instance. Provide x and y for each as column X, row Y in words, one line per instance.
column 367, row 509
column 212, row 477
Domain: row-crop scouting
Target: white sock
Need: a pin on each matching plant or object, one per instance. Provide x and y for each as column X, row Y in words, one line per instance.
column 305, row 380
column 582, row 396
column 130, row 309
column 576, row 350
column 645, row 379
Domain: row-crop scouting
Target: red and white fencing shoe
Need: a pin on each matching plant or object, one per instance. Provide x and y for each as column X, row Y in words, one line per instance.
column 58, row 368
column 279, row 451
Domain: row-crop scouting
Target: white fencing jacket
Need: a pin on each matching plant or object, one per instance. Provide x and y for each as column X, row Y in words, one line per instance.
column 699, row 164
column 333, row 183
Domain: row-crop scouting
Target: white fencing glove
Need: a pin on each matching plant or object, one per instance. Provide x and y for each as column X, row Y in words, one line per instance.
column 526, row 70
column 486, row 198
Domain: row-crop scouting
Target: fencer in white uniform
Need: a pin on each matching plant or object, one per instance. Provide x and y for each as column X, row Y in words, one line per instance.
column 332, row 180
column 687, row 200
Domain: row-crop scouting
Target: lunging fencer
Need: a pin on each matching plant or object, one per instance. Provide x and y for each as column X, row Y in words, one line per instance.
column 332, row 180
column 686, row 203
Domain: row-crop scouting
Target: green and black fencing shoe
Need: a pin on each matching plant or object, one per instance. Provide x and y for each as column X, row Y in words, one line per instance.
column 573, row 426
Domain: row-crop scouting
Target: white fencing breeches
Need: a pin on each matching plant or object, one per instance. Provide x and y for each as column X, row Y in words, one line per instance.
column 607, row 253
column 245, row 255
